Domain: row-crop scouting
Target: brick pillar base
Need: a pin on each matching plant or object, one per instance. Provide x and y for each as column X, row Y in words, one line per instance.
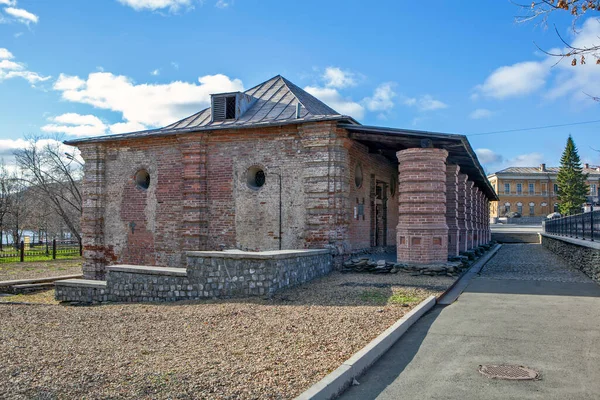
column 452, row 209
column 422, row 233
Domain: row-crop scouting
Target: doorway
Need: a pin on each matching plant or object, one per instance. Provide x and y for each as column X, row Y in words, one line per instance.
column 379, row 214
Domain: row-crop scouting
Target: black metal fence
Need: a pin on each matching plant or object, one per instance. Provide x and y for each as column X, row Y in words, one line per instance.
column 579, row 226
column 41, row 251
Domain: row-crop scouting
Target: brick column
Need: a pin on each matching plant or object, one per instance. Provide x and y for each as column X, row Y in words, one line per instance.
column 462, row 216
column 485, row 217
column 488, row 233
column 452, row 209
column 476, row 217
column 469, row 213
column 422, row 233
column 92, row 217
column 195, row 208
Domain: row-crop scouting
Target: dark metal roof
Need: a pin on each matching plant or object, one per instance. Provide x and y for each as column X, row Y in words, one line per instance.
column 537, row 170
column 387, row 141
column 275, row 103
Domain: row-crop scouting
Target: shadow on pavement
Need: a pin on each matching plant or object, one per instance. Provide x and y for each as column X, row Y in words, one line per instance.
column 394, row 361
column 533, row 287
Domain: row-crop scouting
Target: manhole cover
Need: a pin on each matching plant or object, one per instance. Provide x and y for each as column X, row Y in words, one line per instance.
column 513, row 372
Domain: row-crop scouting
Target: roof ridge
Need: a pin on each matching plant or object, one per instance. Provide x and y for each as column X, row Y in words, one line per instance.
column 299, row 92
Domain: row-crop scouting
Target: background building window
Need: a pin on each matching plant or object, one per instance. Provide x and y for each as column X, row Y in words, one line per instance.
column 555, row 207
column 544, row 191
column 519, row 188
column 531, row 188
column 555, row 188
column 593, row 190
column 520, row 208
column 531, row 209
column 507, row 188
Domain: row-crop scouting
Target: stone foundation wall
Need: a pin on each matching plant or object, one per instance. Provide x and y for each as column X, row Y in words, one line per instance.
column 138, row 287
column 80, row 293
column 585, row 257
column 239, row 274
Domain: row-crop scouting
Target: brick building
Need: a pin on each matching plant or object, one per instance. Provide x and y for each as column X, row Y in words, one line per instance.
column 275, row 168
column 532, row 191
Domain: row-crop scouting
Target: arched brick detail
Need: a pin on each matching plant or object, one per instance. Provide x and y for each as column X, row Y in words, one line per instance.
column 422, row 233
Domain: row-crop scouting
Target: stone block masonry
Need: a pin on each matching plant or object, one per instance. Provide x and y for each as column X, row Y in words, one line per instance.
column 240, row 274
column 208, row 274
column 581, row 254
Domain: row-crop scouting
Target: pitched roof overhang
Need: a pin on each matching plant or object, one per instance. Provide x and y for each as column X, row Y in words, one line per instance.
column 387, row 141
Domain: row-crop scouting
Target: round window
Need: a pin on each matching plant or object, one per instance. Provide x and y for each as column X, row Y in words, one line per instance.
column 255, row 177
column 142, row 179
column 358, row 176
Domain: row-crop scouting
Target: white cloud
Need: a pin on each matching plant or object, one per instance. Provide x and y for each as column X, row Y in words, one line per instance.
column 581, row 80
column 526, row 160
column 336, row 101
column 174, row 65
column 223, row 3
column 9, row 146
column 153, row 5
column 22, row 15
column 425, row 103
column 12, row 69
column 481, row 113
column 335, row 77
column 65, row 82
column 487, row 156
column 149, row 105
column 155, row 72
column 125, row 127
column 5, row 54
column 8, row 2
column 514, row 80
column 76, row 125
column 563, row 80
column 382, row 99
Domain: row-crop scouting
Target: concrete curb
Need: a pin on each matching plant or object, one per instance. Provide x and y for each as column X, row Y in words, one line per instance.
column 334, row 383
column 452, row 293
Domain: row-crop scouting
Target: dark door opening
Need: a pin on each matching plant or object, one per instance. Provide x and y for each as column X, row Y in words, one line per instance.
column 379, row 218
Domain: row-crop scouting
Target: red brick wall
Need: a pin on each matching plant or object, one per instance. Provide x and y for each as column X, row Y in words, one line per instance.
column 199, row 198
column 383, row 170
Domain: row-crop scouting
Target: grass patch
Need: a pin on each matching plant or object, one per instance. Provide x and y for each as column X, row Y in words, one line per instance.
column 39, row 269
column 45, row 297
column 379, row 297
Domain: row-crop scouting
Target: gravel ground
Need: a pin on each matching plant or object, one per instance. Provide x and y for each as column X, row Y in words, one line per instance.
column 227, row 349
column 39, row 269
column 531, row 262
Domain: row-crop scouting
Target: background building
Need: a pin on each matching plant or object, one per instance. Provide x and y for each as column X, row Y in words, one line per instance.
column 532, row 191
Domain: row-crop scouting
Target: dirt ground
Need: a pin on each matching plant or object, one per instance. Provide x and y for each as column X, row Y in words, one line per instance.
column 228, row 349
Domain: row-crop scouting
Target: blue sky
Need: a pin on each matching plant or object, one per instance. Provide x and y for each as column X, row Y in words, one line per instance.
column 98, row 67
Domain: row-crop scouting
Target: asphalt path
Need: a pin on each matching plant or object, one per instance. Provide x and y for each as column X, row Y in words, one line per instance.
column 527, row 308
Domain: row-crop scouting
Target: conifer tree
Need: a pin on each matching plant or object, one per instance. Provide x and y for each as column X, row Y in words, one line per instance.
column 572, row 189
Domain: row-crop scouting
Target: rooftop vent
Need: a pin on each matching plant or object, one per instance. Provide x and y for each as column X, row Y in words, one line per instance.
column 229, row 106
column 543, row 167
column 586, row 166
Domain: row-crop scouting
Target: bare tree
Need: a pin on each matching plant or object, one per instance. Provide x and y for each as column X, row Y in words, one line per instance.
column 55, row 177
column 542, row 10
column 6, row 184
column 20, row 207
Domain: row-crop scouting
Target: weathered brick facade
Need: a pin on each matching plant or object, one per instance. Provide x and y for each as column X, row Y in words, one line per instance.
column 327, row 185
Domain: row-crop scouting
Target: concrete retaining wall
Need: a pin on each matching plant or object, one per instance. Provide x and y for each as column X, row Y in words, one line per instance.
column 515, row 237
column 582, row 254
